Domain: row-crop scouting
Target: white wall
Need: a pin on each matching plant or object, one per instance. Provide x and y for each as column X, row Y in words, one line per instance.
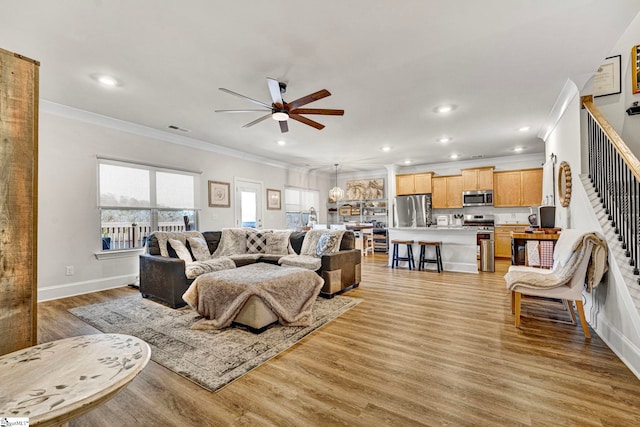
column 614, row 106
column 609, row 308
column 68, row 218
column 564, row 142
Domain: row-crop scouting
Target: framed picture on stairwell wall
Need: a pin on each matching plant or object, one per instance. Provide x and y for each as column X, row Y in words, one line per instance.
column 606, row 81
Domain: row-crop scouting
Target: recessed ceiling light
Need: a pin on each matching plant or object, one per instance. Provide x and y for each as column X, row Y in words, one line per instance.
column 442, row 109
column 106, row 80
column 386, row 149
column 518, row 149
column 444, row 139
column 282, row 143
column 454, row 156
column 524, row 128
column 407, row 162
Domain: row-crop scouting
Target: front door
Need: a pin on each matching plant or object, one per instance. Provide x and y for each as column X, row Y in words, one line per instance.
column 248, row 203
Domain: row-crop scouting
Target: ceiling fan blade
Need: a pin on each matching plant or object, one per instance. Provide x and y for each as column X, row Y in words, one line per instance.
column 306, row 121
column 274, row 89
column 324, row 111
column 255, row 101
column 309, row 98
column 239, row 111
column 284, row 127
column 258, row 120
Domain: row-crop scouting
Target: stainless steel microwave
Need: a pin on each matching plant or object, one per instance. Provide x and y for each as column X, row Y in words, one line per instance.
column 477, row 198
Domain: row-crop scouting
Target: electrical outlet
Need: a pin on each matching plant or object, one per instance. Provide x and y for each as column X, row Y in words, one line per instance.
column 69, row 270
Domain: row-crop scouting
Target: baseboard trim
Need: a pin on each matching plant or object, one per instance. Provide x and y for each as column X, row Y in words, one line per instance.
column 625, row 349
column 65, row 290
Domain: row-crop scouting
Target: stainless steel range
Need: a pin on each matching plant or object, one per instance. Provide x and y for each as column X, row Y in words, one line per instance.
column 485, row 227
column 483, row 222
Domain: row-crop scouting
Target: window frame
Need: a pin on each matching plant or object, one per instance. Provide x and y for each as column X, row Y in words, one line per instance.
column 300, row 210
column 153, row 208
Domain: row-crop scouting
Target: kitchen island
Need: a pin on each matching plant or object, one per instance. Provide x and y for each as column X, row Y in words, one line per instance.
column 459, row 245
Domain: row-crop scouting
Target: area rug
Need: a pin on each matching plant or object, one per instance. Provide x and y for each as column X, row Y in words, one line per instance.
column 211, row 359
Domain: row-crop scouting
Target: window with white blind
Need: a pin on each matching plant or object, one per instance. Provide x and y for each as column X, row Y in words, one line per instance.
column 135, row 199
column 298, row 203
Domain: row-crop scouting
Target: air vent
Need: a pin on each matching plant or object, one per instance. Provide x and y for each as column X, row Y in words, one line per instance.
column 174, row 127
column 479, row 156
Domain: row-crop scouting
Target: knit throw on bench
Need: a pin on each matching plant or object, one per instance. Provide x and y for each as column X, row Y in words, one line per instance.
column 288, row 291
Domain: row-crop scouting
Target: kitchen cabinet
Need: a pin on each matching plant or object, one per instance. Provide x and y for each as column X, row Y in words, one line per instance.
column 446, row 192
column 502, row 238
column 417, row 183
column 477, row 179
column 517, row 188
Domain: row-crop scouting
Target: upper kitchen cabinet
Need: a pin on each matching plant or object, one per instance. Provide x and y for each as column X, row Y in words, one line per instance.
column 416, row 183
column 447, row 192
column 477, row 179
column 517, row 188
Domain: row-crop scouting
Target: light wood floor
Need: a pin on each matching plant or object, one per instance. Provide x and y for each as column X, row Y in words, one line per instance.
column 422, row 349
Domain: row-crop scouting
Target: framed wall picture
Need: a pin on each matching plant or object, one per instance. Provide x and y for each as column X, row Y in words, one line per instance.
column 219, row 194
column 273, row 199
column 635, row 69
column 365, row 189
column 607, row 78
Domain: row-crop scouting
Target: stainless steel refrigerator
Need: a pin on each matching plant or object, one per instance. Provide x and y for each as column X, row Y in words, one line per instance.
column 413, row 211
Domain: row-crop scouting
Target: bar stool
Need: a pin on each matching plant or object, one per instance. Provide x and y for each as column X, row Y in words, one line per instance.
column 438, row 255
column 396, row 257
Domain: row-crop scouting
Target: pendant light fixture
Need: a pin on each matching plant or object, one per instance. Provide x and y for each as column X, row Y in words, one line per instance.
column 336, row 193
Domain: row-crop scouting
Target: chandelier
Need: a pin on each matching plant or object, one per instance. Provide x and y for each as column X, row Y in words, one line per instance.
column 336, row 193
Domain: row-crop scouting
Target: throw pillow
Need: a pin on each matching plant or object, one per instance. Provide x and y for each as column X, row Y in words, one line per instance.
column 232, row 242
column 181, row 250
column 277, row 244
column 327, row 244
column 199, row 248
column 256, row 242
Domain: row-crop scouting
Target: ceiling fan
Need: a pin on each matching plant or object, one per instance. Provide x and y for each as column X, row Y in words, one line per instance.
column 282, row 111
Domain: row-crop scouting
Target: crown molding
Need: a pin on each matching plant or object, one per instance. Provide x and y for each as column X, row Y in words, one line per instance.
column 568, row 92
column 145, row 131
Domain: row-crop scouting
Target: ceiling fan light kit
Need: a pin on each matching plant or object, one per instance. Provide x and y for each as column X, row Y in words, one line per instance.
column 281, row 111
column 280, row 116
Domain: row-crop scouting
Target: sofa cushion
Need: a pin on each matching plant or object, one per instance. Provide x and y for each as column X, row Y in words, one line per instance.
column 277, row 243
column 256, row 241
column 303, row 261
column 181, row 250
column 232, row 242
column 197, row 268
column 312, row 237
column 163, row 236
column 245, row 257
column 199, row 248
column 327, row 244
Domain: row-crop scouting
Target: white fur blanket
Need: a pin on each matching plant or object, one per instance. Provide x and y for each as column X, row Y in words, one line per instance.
column 577, row 247
column 288, row 291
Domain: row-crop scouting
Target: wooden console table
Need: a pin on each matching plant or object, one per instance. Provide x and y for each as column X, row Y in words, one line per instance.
column 54, row 382
column 519, row 240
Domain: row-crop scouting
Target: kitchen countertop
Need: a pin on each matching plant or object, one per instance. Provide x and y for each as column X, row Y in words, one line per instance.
column 459, row 245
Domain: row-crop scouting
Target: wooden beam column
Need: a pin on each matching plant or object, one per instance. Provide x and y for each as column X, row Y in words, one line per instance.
column 18, row 201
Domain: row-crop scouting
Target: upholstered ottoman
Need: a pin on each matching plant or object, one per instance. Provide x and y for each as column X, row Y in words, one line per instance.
column 255, row 295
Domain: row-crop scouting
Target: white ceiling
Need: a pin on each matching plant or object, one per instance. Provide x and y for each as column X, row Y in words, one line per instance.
column 387, row 63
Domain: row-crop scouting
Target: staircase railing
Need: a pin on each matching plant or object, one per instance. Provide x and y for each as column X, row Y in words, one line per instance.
column 615, row 174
